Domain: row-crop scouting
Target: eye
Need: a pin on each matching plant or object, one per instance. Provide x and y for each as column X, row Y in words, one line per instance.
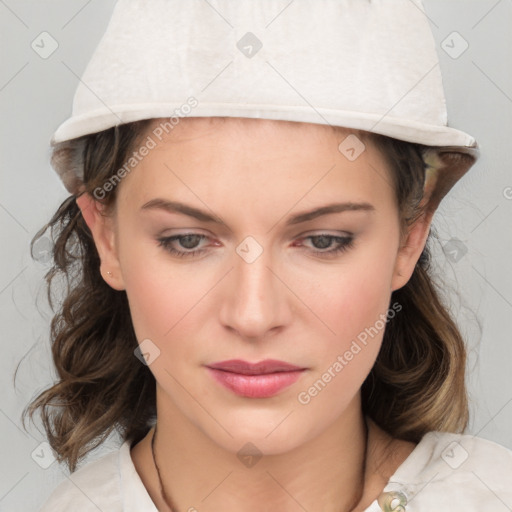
column 323, row 244
column 188, row 242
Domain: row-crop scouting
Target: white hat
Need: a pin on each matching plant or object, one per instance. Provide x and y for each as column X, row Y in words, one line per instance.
column 364, row 64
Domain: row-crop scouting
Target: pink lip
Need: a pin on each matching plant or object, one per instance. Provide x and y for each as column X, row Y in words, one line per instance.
column 255, row 380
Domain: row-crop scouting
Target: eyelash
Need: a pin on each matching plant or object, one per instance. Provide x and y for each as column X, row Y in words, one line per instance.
column 346, row 243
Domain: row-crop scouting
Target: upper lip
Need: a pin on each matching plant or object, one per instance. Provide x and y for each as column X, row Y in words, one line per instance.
column 260, row 368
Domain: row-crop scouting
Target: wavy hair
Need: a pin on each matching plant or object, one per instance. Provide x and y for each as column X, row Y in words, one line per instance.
column 417, row 384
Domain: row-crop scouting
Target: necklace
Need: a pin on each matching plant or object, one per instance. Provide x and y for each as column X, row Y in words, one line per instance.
column 162, row 491
column 172, row 508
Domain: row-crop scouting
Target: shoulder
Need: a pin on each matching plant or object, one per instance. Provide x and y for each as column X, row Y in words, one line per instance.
column 95, row 486
column 457, row 454
column 456, row 472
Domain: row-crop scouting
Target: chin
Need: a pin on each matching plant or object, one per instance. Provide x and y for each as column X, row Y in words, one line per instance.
column 271, row 432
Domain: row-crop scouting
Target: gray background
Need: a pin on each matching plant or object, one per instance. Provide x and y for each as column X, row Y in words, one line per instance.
column 474, row 220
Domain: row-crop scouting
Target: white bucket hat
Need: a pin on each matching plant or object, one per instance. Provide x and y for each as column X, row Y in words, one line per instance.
column 363, row 64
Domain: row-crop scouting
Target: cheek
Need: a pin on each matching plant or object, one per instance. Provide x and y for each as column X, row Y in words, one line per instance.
column 160, row 295
column 358, row 321
column 355, row 305
column 352, row 296
column 354, row 301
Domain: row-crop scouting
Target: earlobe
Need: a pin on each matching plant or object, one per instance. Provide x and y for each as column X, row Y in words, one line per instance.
column 104, row 239
column 410, row 251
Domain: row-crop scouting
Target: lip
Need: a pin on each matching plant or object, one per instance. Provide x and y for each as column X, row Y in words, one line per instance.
column 260, row 368
column 255, row 380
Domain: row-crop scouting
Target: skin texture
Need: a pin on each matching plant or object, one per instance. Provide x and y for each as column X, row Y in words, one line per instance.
column 289, row 304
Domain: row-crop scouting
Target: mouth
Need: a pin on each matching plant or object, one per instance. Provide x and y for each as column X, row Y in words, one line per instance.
column 255, row 380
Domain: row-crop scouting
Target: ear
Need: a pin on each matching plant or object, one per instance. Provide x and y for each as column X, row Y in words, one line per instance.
column 410, row 251
column 103, row 233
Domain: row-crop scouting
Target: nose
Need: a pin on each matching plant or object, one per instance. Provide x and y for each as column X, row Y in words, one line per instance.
column 254, row 299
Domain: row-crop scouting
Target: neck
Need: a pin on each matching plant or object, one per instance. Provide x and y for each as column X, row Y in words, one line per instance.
column 327, row 473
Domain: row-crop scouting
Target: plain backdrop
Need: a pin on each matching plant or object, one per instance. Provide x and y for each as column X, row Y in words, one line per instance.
column 474, row 223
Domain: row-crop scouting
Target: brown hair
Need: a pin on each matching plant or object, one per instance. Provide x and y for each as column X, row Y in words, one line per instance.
column 417, row 384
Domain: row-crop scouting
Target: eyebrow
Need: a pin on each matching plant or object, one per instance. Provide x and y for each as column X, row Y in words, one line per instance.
column 203, row 216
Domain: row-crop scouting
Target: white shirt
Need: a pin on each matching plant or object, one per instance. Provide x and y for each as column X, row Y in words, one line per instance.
column 445, row 472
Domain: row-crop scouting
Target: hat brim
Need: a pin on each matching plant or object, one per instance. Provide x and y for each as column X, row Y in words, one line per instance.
column 403, row 129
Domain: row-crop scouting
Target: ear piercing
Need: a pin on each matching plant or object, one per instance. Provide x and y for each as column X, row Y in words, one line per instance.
column 109, row 273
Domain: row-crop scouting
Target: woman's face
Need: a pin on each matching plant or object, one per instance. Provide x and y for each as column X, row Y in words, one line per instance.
column 270, row 263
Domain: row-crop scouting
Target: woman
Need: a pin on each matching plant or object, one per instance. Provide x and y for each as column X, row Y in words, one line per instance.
column 249, row 296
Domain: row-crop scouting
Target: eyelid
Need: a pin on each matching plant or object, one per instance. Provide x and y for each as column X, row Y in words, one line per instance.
column 327, row 232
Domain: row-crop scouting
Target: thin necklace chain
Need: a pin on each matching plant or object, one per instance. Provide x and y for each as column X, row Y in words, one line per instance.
column 172, row 508
column 162, row 490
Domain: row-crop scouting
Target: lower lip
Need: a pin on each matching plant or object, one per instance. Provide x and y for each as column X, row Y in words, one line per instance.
column 256, row 386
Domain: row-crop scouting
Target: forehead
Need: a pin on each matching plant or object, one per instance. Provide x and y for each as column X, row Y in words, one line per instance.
column 254, row 159
column 249, row 141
